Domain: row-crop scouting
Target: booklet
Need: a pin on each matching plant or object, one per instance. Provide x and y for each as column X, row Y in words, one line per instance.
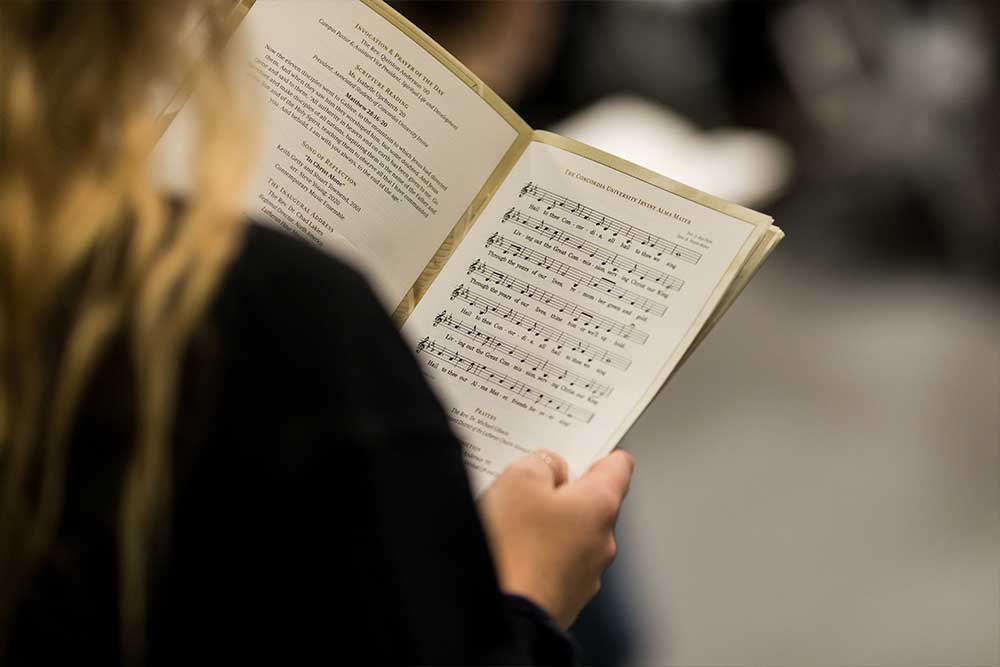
column 548, row 289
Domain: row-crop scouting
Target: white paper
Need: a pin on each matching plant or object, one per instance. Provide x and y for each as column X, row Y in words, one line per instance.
column 562, row 312
column 371, row 148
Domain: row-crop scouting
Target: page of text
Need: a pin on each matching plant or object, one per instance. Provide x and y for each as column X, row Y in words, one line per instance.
column 370, row 147
column 553, row 323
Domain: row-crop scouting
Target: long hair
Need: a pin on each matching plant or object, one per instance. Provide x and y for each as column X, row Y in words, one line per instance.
column 89, row 254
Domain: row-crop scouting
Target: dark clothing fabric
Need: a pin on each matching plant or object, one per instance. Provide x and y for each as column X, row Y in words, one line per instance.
column 320, row 509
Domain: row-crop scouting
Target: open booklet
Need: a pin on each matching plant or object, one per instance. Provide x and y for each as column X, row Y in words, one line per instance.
column 548, row 289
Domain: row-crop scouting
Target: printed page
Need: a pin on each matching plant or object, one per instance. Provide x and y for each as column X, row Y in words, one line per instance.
column 370, row 146
column 562, row 312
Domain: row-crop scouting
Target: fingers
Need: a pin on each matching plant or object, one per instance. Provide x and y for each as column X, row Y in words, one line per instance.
column 545, row 464
column 611, row 475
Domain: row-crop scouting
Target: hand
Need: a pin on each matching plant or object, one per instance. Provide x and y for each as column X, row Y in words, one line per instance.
column 552, row 539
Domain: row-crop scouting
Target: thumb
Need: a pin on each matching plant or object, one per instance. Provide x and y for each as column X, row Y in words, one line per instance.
column 611, row 475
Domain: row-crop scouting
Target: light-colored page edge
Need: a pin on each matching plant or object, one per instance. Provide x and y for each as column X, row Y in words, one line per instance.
column 765, row 247
column 677, row 356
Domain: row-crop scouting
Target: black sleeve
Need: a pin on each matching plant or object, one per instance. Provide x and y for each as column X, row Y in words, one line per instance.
column 331, row 514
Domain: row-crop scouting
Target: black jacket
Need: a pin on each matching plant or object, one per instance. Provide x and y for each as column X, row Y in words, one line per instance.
column 321, row 509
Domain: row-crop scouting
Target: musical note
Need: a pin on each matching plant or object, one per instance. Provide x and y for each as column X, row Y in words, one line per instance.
column 593, row 250
column 539, row 331
column 491, row 375
column 581, row 316
column 547, row 370
column 579, row 277
column 612, row 224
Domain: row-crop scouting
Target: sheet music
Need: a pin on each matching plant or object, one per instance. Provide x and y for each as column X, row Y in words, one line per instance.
column 560, row 314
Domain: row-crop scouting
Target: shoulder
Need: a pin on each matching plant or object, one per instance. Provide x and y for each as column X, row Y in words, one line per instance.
column 272, row 263
column 291, row 317
column 282, row 288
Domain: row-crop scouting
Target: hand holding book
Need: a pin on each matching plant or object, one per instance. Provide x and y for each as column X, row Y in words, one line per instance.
column 552, row 538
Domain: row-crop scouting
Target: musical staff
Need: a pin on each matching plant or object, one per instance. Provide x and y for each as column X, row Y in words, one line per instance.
column 540, row 330
column 580, row 315
column 576, row 275
column 625, row 231
column 546, row 369
column 516, row 387
column 594, row 251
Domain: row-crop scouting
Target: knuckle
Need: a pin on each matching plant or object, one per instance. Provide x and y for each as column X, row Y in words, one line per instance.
column 520, row 470
column 605, row 551
column 547, row 455
column 519, row 465
column 607, row 505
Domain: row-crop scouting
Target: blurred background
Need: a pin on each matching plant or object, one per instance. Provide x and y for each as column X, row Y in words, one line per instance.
column 820, row 484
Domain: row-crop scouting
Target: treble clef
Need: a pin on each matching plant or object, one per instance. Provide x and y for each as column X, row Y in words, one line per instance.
column 473, row 266
column 457, row 292
column 440, row 318
column 526, row 189
column 492, row 239
column 422, row 344
column 508, row 214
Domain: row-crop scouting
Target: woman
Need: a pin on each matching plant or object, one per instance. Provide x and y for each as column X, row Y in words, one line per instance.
column 213, row 444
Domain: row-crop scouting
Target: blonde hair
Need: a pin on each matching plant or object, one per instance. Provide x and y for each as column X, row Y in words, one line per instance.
column 89, row 252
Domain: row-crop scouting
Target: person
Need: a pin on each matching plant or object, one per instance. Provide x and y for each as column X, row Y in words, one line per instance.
column 213, row 443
